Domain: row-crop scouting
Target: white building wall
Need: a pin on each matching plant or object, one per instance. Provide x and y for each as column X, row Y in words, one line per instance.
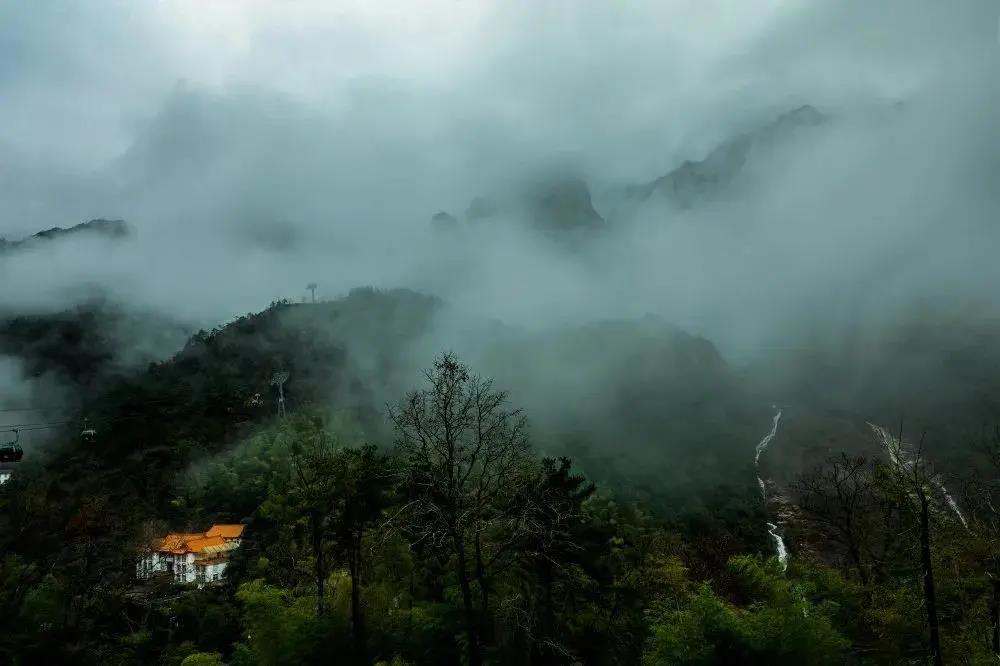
column 184, row 567
column 218, row 570
column 189, row 569
column 150, row 564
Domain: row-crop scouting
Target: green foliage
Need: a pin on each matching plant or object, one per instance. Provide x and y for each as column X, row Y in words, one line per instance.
column 205, row 617
column 336, row 567
column 283, row 628
column 775, row 624
column 44, row 604
column 203, row 659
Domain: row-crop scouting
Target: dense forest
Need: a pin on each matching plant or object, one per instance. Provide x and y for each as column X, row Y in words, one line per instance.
column 399, row 515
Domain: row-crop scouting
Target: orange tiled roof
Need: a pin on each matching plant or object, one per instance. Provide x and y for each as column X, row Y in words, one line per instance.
column 174, row 541
column 203, row 543
column 225, row 531
column 213, row 541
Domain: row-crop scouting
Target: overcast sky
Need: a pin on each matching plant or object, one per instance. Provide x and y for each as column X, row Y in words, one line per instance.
column 347, row 124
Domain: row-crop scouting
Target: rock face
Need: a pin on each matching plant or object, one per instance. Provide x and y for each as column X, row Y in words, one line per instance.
column 112, row 229
column 565, row 205
column 694, row 181
column 557, row 205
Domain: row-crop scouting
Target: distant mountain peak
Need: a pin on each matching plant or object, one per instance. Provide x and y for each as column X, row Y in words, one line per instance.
column 566, row 204
column 554, row 204
column 693, row 180
column 100, row 227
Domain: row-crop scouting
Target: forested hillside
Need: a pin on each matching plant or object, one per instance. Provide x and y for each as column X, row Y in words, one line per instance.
column 425, row 518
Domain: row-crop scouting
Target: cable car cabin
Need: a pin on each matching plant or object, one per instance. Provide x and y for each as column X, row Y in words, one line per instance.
column 11, row 452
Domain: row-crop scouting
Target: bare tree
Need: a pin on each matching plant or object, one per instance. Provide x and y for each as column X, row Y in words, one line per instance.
column 921, row 494
column 838, row 498
column 465, row 454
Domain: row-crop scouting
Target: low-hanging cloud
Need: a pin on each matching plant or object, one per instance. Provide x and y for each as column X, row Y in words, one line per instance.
column 259, row 146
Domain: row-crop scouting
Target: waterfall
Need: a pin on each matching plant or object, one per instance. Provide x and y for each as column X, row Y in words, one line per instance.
column 762, row 444
column 898, row 457
column 779, row 545
column 772, row 529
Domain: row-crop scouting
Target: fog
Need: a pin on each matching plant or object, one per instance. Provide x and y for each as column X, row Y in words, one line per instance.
column 258, row 146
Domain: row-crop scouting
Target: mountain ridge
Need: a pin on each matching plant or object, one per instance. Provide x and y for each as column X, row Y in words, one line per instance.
column 112, row 229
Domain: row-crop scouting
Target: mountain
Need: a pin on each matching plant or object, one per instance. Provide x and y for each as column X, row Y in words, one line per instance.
column 98, row 228
column 557, row 205
column 84, row 348
column 561, row 204
column 585, row 387
column 694, row 181
column 934, row 372
column 655, row 413
column 565, row 205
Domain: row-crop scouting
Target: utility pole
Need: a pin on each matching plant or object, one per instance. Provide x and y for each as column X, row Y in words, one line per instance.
column 312, row 288
column 279, row 380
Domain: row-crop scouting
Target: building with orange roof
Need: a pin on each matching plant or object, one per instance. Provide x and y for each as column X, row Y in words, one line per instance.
column 192, row 557
column 225, row 531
